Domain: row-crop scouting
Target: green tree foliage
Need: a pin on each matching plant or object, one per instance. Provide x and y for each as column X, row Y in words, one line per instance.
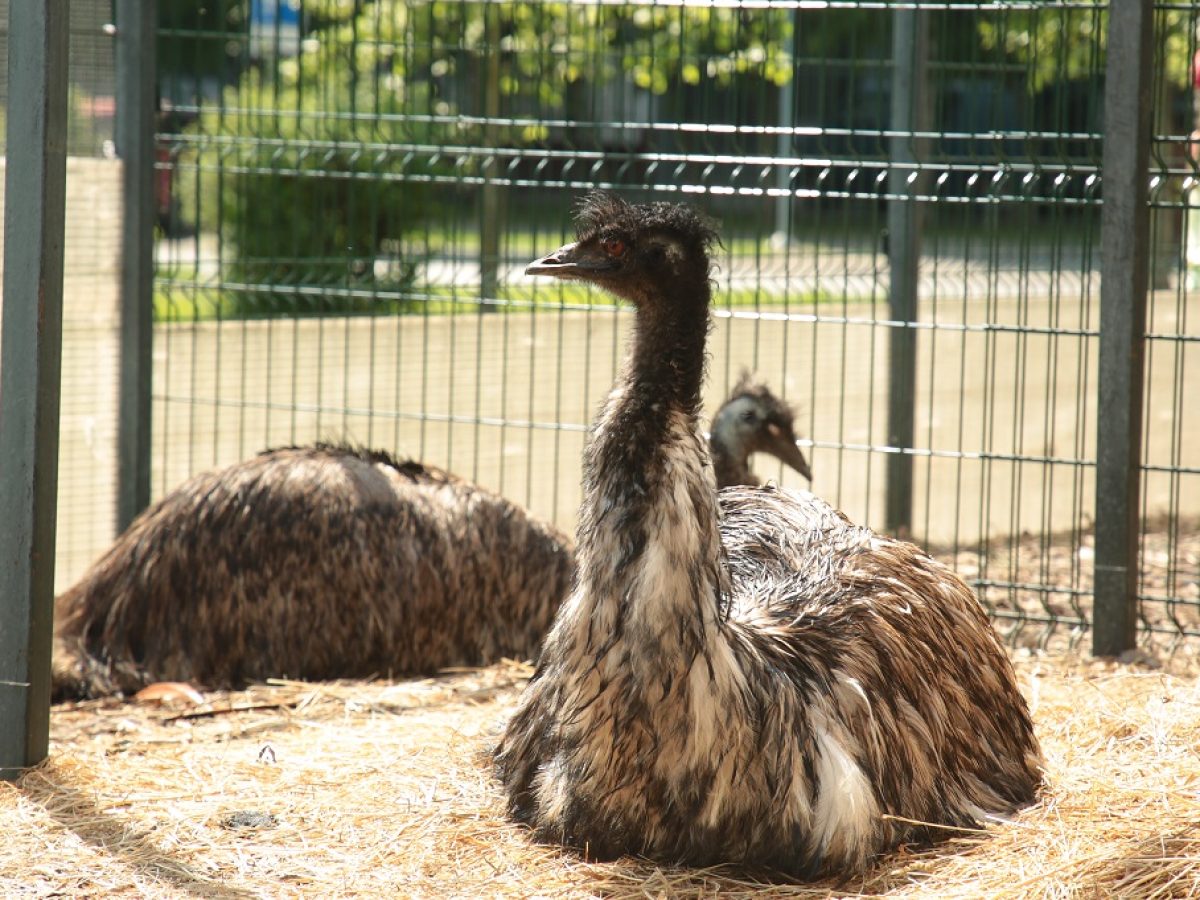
column 298, row 153
column 198, row 38
column 1067, row 42
column 323, row 162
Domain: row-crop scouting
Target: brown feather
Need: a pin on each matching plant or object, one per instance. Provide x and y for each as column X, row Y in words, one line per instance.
column 219, row 581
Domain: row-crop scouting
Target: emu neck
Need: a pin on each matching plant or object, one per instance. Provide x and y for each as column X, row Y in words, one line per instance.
column 667, row 358
column 730, row 461
column 650, row 563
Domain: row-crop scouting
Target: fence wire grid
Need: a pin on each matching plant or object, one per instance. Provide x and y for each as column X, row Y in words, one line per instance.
column 91, row 266
column 348, row 193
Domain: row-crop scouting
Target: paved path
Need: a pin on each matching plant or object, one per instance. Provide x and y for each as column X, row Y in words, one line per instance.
column 532, row 383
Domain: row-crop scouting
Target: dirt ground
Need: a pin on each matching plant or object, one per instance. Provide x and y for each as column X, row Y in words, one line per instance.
column 1039, row 589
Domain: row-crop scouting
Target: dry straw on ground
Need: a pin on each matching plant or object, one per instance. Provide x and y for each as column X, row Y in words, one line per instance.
column 384, row 789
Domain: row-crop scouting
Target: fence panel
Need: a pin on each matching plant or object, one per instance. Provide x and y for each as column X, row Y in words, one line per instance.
column 352, row 191
column 1169, row 583
column 91, row 285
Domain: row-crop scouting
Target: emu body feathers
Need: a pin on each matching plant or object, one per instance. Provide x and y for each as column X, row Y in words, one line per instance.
column 311, row 562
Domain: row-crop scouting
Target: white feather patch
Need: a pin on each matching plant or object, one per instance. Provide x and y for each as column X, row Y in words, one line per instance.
column 553, row 789
column 853, row 684
column 846, row 806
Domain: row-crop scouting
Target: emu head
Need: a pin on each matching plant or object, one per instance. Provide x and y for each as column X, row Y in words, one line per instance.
column 648, row 254
column 754, row 420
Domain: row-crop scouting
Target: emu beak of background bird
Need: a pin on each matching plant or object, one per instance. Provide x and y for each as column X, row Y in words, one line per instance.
column 782, row 444
column 571, row 261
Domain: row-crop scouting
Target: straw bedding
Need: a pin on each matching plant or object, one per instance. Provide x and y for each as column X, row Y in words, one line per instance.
column 384, row 789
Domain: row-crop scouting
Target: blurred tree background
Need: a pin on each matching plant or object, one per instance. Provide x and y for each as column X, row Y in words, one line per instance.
column 309, row 134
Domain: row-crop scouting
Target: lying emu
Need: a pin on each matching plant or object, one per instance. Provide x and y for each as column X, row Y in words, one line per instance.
column 311, row 562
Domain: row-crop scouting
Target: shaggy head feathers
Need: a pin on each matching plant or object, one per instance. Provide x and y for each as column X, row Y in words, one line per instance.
column 772, row 408
column 601, row 213
column 656, row 240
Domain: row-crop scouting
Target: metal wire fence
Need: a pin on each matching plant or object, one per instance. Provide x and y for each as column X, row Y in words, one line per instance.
column 910, row 199
column 91, row 265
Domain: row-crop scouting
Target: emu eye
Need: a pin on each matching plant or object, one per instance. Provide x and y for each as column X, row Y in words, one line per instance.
column 750, row 415
column 614, row 247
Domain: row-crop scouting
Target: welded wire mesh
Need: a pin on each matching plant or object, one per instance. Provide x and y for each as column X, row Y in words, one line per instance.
column 91, row 89
column 91, row 273
column 356, row 187
column 1170, row 549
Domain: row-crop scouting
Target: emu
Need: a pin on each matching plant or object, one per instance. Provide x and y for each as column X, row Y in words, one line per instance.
column 743, row 677
column 335, row 562
column 311, row 562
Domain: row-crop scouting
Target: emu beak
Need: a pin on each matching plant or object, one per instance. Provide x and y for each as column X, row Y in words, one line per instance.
column 571, row 261
column 785, row 448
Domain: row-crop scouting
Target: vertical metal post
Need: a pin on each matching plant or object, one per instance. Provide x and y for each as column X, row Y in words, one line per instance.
column 910, row 28
column 1125, row 257
column 136, row 107
column 30, row 365
column 490, row 212
column 785, row 145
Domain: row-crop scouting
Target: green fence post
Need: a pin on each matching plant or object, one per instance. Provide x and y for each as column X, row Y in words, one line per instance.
column 490, row 201
column 1124, row 273
column 910, row 28
column 30, row 365
column 136, row 105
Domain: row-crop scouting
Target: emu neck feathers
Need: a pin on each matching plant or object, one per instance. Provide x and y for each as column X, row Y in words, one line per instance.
column 666, row 359
column 653, row 571
column 732, row 464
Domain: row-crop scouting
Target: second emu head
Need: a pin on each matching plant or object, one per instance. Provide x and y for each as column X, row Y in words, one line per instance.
column 753, row 420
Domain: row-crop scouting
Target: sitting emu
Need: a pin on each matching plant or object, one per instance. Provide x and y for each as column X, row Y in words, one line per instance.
column 331, row 562
column 311, row 562
column 743, row 677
